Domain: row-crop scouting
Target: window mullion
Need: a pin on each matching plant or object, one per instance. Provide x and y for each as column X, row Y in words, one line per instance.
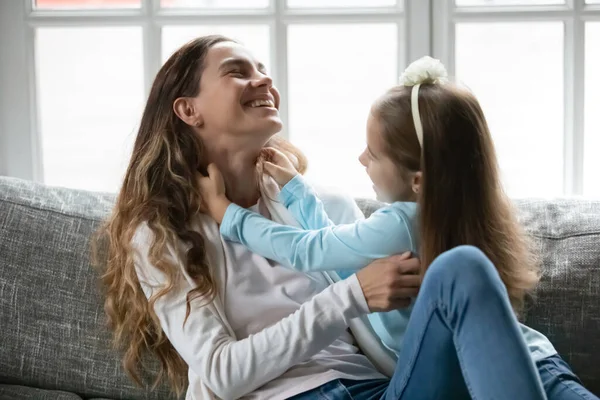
column 18, row 137
column 443, row 37
column 152, row 42
column 36, row 154
column 279, row 60
column 402, row 36
column 574, row 99
column 574, row 102
column 418, row 28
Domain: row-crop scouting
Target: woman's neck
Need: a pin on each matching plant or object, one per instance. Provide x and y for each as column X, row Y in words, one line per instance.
column 240, row 175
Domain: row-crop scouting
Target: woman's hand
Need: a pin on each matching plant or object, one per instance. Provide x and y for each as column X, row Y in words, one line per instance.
column 279, row 166
column 390, row 283
column 212, row 189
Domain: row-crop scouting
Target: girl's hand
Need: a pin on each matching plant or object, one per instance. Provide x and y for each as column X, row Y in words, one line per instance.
column 279, row 166
column 212, row 189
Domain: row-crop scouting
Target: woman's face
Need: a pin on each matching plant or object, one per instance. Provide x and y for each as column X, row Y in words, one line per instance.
column 388, row 181
column 237, row 96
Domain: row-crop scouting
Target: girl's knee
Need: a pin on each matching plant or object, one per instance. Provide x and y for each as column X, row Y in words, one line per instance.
column 463, row 265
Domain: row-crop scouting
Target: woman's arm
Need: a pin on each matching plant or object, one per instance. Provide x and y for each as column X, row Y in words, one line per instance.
column 232, row 368
column 349, row 246
column 304, row 204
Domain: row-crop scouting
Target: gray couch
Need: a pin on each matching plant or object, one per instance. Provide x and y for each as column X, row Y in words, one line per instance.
column 55, row 344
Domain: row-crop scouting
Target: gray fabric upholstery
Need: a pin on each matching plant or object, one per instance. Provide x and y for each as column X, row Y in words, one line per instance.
column 567, row 305
column 14, row 392
column 54, row 333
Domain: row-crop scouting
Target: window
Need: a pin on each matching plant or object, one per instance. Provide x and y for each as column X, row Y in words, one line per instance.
column 508, row 65
column 84, row 4
column 93, row 61
column 256, row 37
column 90, row 93
column 330, row 96
column 215, row 4
column 592, row 105
column 526, row 62
column 87, row 65
column 506, row 2
column 339, row 3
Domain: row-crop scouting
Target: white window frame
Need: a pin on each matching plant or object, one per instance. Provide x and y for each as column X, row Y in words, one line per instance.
column 20, row 148
column 574, row 14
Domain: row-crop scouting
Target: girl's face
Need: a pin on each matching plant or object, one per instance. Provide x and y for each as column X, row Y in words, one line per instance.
column 389, row 182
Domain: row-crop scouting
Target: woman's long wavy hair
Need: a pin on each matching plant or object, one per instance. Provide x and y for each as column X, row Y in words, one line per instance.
column 461, row 200
column 160, row 188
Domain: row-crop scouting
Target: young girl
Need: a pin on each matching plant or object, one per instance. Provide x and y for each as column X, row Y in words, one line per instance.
column 428, row 144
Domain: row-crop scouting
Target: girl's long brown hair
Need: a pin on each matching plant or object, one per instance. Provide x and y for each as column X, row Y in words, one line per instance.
column 461, row 200
column 160, row 189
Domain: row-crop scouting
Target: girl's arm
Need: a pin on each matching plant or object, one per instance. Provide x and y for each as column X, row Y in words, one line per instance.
column 304, row 204
column 349, row 246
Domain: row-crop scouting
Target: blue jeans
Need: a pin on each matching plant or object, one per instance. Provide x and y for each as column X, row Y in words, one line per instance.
column 463, row 342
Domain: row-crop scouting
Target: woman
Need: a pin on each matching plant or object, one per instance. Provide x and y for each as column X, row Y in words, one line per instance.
column 239, row 325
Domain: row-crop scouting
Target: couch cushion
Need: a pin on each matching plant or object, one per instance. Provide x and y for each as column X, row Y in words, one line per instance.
column 567, row 304
column 15, row 392
column 54, row 333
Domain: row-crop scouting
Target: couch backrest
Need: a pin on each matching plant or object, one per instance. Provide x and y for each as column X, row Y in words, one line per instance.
column 567, row 305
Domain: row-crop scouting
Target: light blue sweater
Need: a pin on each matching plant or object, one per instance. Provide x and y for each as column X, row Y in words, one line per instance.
column 322, row 246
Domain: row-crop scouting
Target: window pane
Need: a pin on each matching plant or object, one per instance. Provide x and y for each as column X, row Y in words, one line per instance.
column 339, row 3
column 516, row 71
column 592, row 1
column 255, row 37
column 592, row 105
column 86, row 4
column 331, row 91
column 216, row 4
column 507, row 2
column 90, row 94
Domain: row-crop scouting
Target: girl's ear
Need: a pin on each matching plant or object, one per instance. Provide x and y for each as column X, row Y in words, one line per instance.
column 416, row 182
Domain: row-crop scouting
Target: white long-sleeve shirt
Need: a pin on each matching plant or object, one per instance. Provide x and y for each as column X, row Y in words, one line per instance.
column 271, row 332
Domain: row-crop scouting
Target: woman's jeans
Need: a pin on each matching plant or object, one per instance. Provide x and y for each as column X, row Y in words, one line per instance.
column 463, row 342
